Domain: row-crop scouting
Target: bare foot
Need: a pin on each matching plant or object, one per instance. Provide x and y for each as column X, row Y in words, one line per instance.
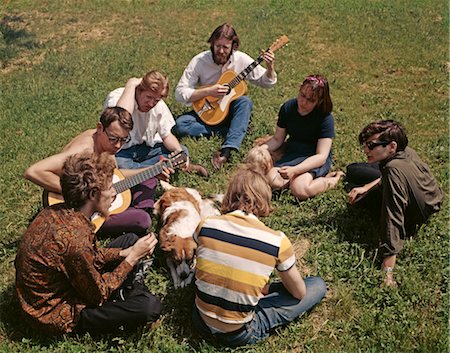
column 333, row 178
column 389, row 280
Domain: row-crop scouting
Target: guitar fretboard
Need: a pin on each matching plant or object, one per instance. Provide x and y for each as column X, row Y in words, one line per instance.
column 134, row 180
column 243, row 74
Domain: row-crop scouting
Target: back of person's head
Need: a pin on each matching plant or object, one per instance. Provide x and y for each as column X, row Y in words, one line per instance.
column 155, row 82
column 111, row 114
column 249, row 192
column 259, row 159
column 85, row 174
column 320, row 88
column 389, row 131
column 225, row 30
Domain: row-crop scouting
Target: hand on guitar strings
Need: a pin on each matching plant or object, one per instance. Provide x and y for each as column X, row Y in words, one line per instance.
column 165, row 174
column 218, row 90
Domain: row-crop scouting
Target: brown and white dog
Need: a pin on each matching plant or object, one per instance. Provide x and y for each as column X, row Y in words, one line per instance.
column 180, row 210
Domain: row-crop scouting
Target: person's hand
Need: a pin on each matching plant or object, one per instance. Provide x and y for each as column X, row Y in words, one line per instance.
column 269, row 58
column 218, row 90
column 165, row 174
column 143, row 247
column 265, row 290
column 355, row 194
column 134, row 82
column 287, row 172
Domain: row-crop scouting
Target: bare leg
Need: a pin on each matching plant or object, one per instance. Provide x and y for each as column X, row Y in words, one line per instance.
column 304, row 186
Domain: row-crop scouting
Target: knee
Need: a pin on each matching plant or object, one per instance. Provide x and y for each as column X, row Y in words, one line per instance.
column 245, row 100
column 317, row 287
column 151, row 308
column 300, row 192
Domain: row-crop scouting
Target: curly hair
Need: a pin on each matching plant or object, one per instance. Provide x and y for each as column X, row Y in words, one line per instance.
column 83, row 174
column 321, row 90
column 109, row 115
column 155, row 82
column 389, row 130
column 248, row 191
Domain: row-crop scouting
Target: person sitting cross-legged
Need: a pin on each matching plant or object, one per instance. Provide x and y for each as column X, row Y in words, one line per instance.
column 235, row 303
column 64, row 281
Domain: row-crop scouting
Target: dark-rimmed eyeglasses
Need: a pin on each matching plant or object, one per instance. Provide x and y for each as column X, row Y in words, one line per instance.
column 114, row 139
column 372, row 144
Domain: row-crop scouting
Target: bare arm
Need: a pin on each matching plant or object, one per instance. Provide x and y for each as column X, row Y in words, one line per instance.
column 172, row 143
column 356, row 193
column 315, row 161
column 277, row 139
column 46, row 172
column 293, row 282
column 126, row 100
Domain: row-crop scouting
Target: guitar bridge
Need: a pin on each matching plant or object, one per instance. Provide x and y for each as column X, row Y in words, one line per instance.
column 206, row 106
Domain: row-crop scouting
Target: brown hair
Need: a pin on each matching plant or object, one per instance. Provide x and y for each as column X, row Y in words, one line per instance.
column 225, row 30
column 389, row 131
column 248, row 191
column 321, row 90
column 83, row 174
column 259, row 159
column 155, row 82
column 109, row 115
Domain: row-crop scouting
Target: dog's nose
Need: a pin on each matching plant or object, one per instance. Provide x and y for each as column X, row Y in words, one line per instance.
column 183, row 269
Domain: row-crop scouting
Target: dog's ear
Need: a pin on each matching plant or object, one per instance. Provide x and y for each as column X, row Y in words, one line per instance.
column 157, row 208
column 166, row 240
column 189, row 248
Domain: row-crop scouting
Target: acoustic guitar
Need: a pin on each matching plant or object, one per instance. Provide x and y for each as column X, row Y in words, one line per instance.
column 212, row 110
column 122, row 186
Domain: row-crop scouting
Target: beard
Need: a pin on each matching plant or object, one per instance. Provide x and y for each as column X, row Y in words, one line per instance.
column 220, row 60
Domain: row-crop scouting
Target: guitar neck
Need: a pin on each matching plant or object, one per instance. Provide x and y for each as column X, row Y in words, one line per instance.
column 237, row 79
column 134, row 180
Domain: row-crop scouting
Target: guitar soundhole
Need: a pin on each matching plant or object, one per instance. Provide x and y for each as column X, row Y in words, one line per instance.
column 229, row 89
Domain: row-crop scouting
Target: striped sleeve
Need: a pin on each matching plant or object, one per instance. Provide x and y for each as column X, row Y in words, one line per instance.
column 286, row 257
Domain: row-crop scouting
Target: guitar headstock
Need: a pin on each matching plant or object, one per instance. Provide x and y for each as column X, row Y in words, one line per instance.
column 175, row 159
column 279, row 43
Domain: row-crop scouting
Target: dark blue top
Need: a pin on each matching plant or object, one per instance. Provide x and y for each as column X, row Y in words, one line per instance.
column 306, row 129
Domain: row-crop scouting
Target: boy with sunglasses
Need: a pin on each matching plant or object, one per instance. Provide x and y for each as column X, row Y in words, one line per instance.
column 408, row 191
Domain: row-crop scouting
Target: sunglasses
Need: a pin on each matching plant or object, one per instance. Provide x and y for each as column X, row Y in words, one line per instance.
column 372, row 144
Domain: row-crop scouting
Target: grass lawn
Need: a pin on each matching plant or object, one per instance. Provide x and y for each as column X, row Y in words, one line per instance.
column 384, row 59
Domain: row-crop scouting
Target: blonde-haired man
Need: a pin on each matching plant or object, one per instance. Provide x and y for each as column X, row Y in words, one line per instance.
column 151, row 136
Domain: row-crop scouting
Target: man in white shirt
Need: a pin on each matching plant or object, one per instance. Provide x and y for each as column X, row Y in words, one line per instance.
column 206, row 69
column 151, row 136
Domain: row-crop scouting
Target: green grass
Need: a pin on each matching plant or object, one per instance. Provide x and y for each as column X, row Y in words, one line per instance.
column 384, row 59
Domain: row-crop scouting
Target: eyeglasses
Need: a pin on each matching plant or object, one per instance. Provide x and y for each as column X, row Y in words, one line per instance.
column 372, row 144
column 114, row 139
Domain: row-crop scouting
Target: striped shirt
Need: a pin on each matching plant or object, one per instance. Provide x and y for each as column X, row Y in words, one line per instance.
column 235, row 257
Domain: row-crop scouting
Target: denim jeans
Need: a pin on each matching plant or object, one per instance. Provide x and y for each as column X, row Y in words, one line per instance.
column 277, row 308
column 141, row 156
column 233, row 129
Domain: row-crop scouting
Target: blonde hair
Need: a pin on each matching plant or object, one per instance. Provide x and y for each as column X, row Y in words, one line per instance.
column 248, row 191
column 259, row 159
column 155, row 82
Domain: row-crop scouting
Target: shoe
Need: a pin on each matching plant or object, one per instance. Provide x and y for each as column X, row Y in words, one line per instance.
column 218, row 161
column 143, row 266
column 198, row 169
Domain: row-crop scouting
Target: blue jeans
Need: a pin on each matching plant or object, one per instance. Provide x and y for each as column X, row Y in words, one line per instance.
column 233, row 129
column 142, row 156
column 277, row 308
